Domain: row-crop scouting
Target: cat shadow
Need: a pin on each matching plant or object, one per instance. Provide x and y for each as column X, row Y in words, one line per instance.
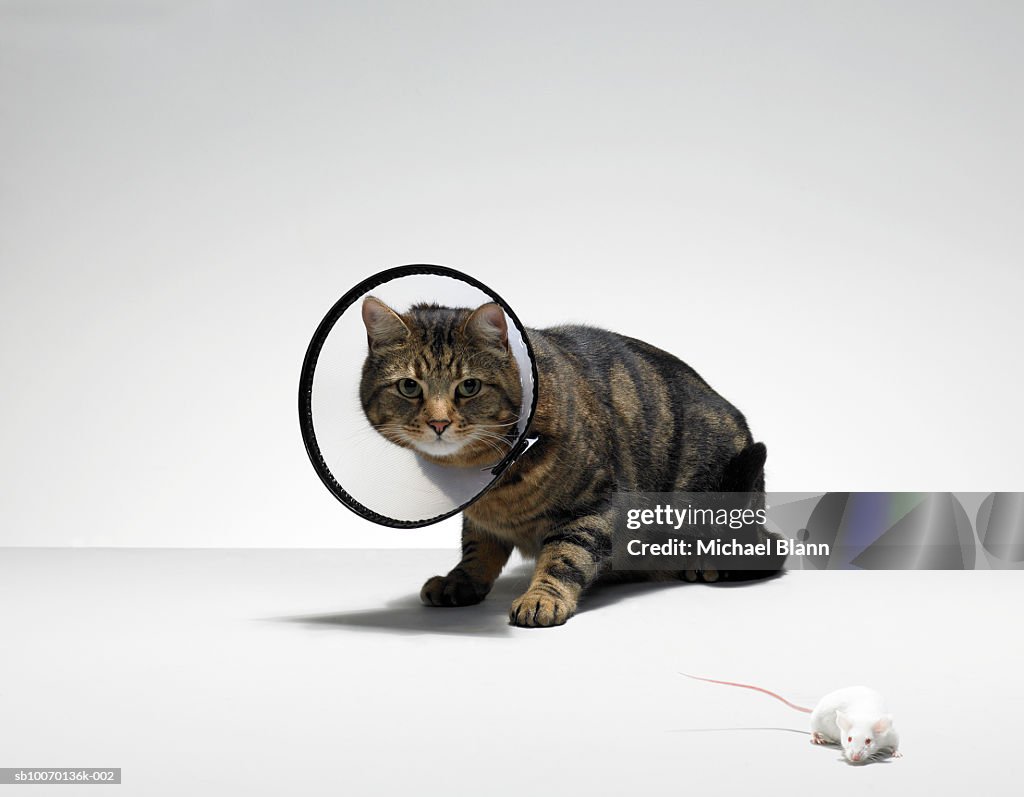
column 609, row 591
column 407, row 615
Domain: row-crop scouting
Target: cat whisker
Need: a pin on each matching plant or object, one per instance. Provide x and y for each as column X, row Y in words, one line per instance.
column 489, row 443
column 491, row 436
column 485, row 435
column 361, row 434
column 385, row 432
column 496, row 429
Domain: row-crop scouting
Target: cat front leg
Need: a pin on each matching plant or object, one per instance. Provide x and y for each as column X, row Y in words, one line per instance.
column 483, row 557
column 570, row 558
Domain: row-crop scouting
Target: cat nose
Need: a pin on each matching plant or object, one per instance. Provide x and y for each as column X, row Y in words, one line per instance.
column 439, row 426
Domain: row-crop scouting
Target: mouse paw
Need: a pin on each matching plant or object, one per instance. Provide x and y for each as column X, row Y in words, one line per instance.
column 817, row 738
column 897, row 754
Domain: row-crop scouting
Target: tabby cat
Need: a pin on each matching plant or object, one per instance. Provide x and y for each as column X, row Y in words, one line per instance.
column 613, row 413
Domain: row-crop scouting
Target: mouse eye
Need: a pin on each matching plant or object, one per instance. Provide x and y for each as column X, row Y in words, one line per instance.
column 849, row 738
column 867, row 741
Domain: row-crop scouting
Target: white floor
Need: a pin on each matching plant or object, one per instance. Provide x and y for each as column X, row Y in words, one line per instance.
column 317, row 672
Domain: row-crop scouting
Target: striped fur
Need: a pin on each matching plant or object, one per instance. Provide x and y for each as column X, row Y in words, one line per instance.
column 614, row 413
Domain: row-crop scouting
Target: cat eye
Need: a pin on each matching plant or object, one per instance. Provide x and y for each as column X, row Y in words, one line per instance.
column 409, row 388
column 469, row 387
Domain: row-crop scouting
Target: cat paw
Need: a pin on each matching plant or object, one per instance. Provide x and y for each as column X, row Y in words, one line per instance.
column 537, row 609
column 700, row 570
column 454, row 589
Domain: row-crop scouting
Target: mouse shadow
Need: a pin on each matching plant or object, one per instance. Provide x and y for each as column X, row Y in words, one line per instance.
column 739, row 728
column 835, row 748
column 407, row 615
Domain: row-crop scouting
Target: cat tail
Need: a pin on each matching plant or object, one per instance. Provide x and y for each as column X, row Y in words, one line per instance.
column 744, row 473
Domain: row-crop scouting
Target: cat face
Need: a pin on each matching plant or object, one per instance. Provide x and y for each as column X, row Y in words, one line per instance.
column 441, row 380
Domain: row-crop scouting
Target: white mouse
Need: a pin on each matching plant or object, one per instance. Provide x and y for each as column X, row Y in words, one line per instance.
column 855, row 718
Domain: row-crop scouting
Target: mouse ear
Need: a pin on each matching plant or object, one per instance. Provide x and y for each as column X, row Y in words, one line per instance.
column 883, row 724
column 843, row 721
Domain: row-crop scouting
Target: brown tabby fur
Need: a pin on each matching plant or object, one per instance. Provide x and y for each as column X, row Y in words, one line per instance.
column 613, row 413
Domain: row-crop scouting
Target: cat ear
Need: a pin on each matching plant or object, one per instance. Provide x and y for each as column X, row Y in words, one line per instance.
column 384, row 327
column 487, row 323
column 883, row 724
column 843, row 721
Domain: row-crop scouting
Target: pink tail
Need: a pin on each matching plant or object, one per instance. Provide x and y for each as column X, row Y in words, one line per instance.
column 748, row 686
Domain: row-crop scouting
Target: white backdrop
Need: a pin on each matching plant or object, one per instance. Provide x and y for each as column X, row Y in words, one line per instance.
column 816, row 205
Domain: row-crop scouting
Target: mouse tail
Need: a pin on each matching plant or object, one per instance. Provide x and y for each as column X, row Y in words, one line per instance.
column 749, row 686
